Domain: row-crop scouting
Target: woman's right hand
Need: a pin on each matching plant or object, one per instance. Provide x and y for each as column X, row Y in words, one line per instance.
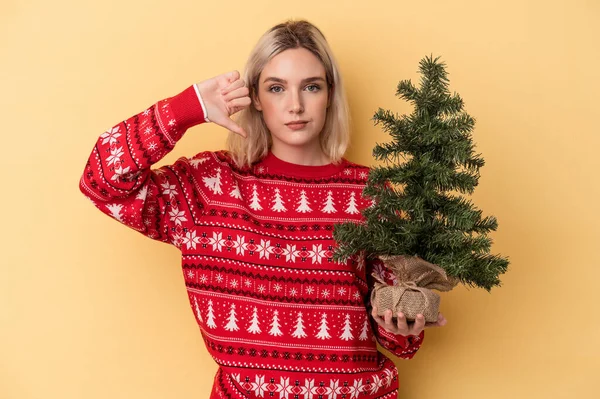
column 223, row 96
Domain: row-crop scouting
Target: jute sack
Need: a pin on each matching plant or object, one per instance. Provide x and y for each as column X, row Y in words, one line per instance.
column 412, row 295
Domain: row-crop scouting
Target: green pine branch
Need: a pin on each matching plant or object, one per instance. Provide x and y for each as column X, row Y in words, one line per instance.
column 430, row 154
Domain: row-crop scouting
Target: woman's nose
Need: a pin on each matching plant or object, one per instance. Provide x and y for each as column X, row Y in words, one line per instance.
column 296, row 102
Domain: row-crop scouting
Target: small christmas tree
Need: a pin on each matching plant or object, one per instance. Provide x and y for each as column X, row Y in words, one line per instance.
column 254, row 328
column 211, row 315
column 275, row 326
column 324, row 328
column 278, row 202
column 413, row 212
column 299, row 332
column 255, row 203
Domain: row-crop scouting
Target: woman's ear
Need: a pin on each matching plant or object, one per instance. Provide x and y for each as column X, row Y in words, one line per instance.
column 256, row 102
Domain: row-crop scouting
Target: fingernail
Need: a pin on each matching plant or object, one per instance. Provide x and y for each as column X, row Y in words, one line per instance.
column 401, row 315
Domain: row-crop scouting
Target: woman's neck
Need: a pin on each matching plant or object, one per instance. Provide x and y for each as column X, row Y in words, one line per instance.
column 301, row 156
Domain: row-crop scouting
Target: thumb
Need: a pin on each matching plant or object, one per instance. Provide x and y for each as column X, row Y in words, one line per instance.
column 234, row 127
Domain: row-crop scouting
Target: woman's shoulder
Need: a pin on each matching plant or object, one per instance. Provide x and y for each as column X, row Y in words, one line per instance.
column 355, row 169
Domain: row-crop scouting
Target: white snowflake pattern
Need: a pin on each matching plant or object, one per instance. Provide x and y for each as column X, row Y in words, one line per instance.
column 169, row 189
column 120, row 171
column 234, row 283
column 261, row 288
column 148, row 130
column 310, row 389
column 177, row 239
column 248, row 282
column 347, row 172
column 325, row 293
column 362, row 175
column 177, row 216
column 172, row 122
column 260, row 386
column 219, row 278
column 264, row 249
column 317, row 253
column 111, row 135
column 356, row 295
column 309, row 290
column 293, row 292
column 190, row 274
column 190, row 239
column 239, row 245
column 277, row 287
column 290, row 253
column 146, row 112
column 357, row 388
column 203, row 279
column 217, row 241
column 341, row 291
column 375, row 384
column 115, row 155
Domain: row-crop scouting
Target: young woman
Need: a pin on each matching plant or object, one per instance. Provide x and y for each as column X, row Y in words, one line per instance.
column 254, row 224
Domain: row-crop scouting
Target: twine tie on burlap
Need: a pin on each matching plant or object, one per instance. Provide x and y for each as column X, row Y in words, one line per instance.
column 413, row 294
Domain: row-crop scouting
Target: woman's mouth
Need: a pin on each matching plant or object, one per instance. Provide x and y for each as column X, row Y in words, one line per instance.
column 297, row 126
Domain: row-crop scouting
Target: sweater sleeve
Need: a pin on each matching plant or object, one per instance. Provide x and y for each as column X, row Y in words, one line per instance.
column 405, row 347
column 118, row 178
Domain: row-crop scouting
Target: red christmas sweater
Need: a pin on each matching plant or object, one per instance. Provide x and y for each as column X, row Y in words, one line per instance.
column 278, row 315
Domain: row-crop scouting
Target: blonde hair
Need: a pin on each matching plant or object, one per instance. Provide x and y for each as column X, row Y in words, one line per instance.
column 335, row 136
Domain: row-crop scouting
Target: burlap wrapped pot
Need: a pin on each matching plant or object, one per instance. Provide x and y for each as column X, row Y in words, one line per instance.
column 413, row 294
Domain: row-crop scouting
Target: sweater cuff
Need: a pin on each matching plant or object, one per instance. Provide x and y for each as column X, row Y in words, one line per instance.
column 201, row 102
column 399, row 339
column 188, row 108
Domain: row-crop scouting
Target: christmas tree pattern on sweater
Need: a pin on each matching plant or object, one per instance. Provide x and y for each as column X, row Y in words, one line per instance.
column 277, row 314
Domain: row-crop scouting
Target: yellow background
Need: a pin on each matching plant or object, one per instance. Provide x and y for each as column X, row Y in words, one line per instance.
column 90, row 309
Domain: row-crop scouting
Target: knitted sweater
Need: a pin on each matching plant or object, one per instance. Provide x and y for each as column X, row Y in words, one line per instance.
column 277, row 314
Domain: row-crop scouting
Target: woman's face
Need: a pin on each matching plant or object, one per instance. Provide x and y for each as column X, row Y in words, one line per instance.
column 293, row 87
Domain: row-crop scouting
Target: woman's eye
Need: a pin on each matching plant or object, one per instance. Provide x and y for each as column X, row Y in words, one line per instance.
column 273, row 88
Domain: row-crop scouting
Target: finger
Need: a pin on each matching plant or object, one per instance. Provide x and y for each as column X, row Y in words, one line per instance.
column 374, row 312
column 378, row 319
column 418, row 325
column 388, row 318
column 239, row 104
column 235, row 85
column 402, row 326
column 227, row 78
column 237, row 92
column 441, row 321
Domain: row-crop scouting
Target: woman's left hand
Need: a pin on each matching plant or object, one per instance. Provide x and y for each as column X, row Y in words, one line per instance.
column 402, row 327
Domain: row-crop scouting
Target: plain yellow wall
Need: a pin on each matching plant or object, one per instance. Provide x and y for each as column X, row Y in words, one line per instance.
column 91, row 309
